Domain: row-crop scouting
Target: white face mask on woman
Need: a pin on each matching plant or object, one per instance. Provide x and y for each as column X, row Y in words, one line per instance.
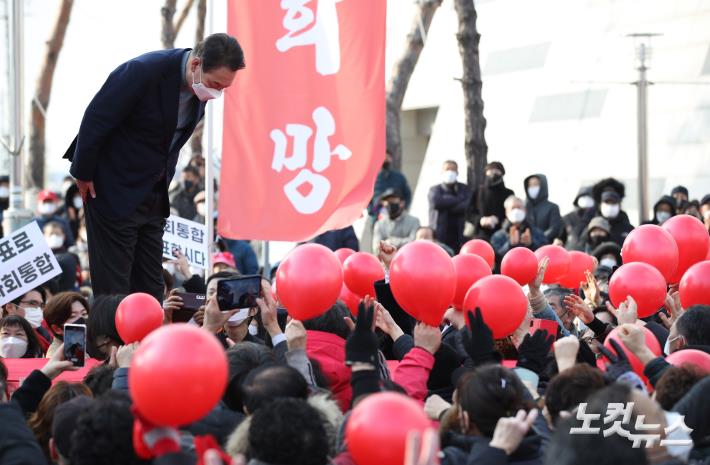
column 12, row 347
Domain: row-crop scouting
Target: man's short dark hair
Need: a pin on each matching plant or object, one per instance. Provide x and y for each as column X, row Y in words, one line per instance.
column 102, row 322
column 192, row 170
column 560, row 292
column 694, row 325
column 572, row 387
column 219, row 50
column 99, row 379
column 289, row 432
column 242, row 358
column 331, row 321
column 675, row 383
column 268, row 383
column 451, row 162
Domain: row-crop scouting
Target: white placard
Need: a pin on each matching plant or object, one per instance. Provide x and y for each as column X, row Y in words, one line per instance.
column 26, row 261
column 189, row 237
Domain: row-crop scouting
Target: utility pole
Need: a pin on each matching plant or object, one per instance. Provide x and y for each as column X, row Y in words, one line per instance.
column 643, row 52
column 16, row 216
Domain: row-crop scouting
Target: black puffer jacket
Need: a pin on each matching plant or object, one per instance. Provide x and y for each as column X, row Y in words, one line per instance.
column 542, row 213
column 476, row 450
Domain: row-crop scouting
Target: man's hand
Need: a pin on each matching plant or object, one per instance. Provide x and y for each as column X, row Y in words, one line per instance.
column 435, row 406
column 592, row 294
column 172, row 303
column 427, row 337
column 579, row 308
column 674, row 308
column 296, row 335
column 534, row 285
column 86, row 188
column 626, row 313
column 215, row 318
column 386, row 253
column 526, row 238
column 422, row 450
column 566, row 349
column 181, row 264
column 514, row 236
column 634, row 339
column 124, row 354
column 56, row 365
column 510, row 431
column 385, row 322
column 267, row 307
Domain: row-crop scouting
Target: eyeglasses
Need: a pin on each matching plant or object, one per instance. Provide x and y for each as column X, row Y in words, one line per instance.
column 31, row 303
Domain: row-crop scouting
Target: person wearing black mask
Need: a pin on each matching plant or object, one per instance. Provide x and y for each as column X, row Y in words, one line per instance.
column 4, row 198
column 397, row 227
column 680, row 195
column 597, row 232
column 184, row 198
column 486, row 211
column 64, row 308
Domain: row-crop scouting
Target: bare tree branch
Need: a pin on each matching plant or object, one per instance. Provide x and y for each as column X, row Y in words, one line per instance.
column 475, row 123
column 402, row 72
column 34, row 170
column 167, row 36
column 196, row 139
column 183, row 15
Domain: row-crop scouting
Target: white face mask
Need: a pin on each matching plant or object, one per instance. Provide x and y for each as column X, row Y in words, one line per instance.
column 78, row 203
column 12, row 347
column 34, row 316
column 516, row 215
column 663, row 216
column 681, row 452
column 55, row 241
column 169, row 267
column 4, row 192
column 203, row 92
column 201, row 209
column 608, row 262
column 46, row 208
column 449, row 177
column 533, row 192
column 610, row 210
column 706, row 215
column 239, row 317
column 253, row 329
column 585, row 201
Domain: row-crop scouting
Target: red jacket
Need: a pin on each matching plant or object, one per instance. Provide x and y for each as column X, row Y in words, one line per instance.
column 329, row 350
column 412, row 373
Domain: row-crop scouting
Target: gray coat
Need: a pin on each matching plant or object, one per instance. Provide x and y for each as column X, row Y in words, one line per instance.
column 542, row 213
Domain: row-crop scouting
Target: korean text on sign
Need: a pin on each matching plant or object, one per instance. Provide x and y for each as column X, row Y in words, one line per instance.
column 26, row 261
column 189, row 237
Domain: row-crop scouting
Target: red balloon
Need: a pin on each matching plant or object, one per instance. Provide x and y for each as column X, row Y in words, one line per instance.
column 423, row 281
column 695, row 286
column 178, row 375
column 697, row 358
column 378, row 427
column 653, row 245
column 481, row 248
column 310, row 279
column 559, row 262
column 579, row 263
column 350, row 299
column 520, row 263
column 642, row 282
column 692, row 240
column 343, row 254
column 360, row 271
column 636, row 364
column 469, row 269
column 137, row 315
column 502, row 302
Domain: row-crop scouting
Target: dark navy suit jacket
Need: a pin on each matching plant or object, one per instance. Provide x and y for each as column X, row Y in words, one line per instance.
column 124, row 142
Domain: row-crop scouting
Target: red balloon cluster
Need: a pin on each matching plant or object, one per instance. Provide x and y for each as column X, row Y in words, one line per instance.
column 636, row 364
column 579, row 263
column 350, row 299
column 481, row 248
column 558, row 265
column 502, row 302
column 378, row 427
column 695, row 286
column 137, row 315
column 360, row 271
column 423, row 281
column 310, row 280
column 178, row 375
column 697, row 358
column 469, row 269
column 693, row 242
column 343, row 254
column 520, row 263
column 642, row 282
column 653, row 245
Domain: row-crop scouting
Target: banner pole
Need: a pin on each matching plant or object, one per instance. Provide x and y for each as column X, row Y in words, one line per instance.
column 209, row 164
column 265, row 260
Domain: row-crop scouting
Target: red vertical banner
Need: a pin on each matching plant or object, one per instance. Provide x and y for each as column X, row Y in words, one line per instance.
column 304, row 123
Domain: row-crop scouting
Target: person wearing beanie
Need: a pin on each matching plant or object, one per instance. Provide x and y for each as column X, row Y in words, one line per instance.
column 486, row 211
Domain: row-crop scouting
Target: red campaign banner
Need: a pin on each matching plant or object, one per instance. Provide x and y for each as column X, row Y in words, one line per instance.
column 18, row 369
column 304, row 123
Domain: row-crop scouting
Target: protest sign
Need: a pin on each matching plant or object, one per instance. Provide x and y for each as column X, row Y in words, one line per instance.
column 26, row 261
column 189, row 237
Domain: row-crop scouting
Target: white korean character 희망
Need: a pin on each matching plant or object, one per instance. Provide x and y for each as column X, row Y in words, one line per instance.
column 319, row 29
column 313, row 199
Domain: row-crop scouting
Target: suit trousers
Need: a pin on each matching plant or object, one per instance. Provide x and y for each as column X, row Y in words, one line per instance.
column 125, row 255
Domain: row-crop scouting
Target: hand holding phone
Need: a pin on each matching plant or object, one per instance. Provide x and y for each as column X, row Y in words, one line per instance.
column 75, row 344
column 240, row 292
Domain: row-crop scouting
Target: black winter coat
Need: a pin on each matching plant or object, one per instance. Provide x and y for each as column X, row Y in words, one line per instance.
column 487, row 201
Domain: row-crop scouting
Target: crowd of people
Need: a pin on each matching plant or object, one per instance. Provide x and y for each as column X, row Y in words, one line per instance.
column 293, row 385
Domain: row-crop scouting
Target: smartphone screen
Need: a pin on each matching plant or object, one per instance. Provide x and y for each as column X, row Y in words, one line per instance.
column 238, row 292
column 75, row 344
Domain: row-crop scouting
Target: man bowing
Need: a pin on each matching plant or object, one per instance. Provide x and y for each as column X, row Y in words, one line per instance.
column 125, row 155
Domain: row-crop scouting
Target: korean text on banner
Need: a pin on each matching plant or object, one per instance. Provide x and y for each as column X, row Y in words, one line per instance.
column 26, row 261
column 189, row 237
column 304, row 123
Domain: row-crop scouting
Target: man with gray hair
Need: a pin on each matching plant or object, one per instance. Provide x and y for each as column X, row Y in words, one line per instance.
column 516, row 231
